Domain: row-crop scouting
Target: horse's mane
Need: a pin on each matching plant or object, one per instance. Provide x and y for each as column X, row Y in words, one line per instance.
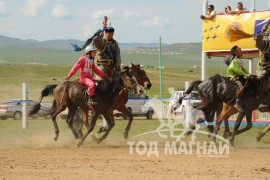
column 107, row 89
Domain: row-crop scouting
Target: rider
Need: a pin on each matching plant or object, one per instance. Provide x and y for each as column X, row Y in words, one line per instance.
column 86, row 64
column 108, row 57
column 236, row 72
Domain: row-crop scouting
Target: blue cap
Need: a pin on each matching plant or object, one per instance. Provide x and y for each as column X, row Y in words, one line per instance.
column 109, row 29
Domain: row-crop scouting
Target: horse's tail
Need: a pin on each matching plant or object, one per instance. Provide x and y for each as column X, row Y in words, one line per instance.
column 48, row 90
column 193, row 85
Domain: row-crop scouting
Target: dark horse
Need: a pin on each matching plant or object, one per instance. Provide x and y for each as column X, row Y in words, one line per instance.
column 73, row 97
column 121, row 99
column 217, row 89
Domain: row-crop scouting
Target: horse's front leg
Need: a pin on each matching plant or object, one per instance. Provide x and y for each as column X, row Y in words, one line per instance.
column 95, row 115
column 236, row 126
column 123, row 109
column 249, row 124
column 262, row 133
column 110, row 121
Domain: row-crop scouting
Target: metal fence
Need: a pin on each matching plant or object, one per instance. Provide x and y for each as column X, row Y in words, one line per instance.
column 256, row 116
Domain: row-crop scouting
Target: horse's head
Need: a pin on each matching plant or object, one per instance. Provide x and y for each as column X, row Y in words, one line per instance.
column 140, row 76
column 127, row 79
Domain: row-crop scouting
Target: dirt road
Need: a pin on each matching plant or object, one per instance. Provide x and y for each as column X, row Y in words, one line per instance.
column 117, row 163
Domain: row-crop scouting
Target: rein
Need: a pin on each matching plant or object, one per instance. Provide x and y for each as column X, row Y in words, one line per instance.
column 129, row 86
column 245, row 85
column 142, row 77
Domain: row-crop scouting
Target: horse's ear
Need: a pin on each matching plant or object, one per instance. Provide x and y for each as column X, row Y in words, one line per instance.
column 126, row 68
column 132, row 64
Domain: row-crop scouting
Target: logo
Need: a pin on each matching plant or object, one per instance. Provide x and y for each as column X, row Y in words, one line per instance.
column 177, row 132
column 232, row 26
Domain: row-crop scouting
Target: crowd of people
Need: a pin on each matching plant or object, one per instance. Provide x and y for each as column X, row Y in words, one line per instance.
column 228, row 10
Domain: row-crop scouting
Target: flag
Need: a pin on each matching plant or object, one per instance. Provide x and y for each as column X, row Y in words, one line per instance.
column 218, row 33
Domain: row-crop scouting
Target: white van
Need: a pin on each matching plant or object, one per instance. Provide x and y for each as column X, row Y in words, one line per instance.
column 176, row 108
column 135, row 104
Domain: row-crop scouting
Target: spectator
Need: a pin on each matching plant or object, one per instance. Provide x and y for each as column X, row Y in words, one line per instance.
column 227, row 10
column 240, row 9
column 211, row 13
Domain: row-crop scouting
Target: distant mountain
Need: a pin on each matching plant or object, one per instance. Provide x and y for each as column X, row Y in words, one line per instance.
column 6, row 42
column 61, row 52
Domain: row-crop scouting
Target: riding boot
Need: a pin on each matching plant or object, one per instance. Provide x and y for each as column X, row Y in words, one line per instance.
column 239, row 93
column 91, row 101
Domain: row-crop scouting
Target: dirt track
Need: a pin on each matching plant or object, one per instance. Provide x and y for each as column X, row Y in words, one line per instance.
column 117, row 163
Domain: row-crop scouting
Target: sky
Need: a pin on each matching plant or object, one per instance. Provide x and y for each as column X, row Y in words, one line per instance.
column 176, row 21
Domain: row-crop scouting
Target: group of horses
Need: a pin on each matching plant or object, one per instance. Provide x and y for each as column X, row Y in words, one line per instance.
column 110, row 95
column 218, row 96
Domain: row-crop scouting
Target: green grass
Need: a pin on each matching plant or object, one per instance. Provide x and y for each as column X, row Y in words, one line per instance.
column 40, row 133
column 37, row 76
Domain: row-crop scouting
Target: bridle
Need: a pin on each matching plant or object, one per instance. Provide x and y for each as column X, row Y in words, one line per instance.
column 138, row 79
column 127, row 84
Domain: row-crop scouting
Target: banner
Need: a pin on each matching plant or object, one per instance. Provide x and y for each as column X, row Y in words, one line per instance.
column 216, row 34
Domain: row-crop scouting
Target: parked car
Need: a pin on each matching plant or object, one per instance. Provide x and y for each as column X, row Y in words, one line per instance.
column 136, row 105
column 176, row 107
column 13, row 109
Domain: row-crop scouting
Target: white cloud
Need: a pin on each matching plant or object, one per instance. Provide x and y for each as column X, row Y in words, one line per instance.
column 60, row 12
column 3, row 9
column 88, row 31
column 101, row 13
column 156, row 22
column 33, row 7
column 128, row 14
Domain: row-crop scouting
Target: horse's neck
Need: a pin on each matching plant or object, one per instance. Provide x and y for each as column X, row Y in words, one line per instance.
column 265, row 82
column 262, row 45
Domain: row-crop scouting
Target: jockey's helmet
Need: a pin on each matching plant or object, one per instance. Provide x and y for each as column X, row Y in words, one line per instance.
column 90, row 48
column 109, row 29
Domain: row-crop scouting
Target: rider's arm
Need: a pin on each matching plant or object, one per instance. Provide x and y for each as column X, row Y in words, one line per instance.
column 237, row 70
column 117, row 56
column 98, row 42
column 75, row 68
column 97, row 71
column 91, row 39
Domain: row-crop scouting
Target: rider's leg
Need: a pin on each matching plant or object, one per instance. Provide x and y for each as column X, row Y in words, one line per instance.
column 91, row 89
column 238, row 103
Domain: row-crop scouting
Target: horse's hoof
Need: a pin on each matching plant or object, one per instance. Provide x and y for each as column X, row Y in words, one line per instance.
column 95, row 139
column 55, row 138
column 189, row 132
column 258, row 139
column 99, row 140
column 79, row 143
column 102, row 129
column 227, row 134
column 125, row 135
column 200, row 120
column 232, row 144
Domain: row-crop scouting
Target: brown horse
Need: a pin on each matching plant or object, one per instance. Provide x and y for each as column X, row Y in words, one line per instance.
column 61, row 93
column 72, row 94
column 228, row 111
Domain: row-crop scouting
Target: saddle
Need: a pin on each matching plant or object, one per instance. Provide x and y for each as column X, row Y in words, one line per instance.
column 84, row 87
